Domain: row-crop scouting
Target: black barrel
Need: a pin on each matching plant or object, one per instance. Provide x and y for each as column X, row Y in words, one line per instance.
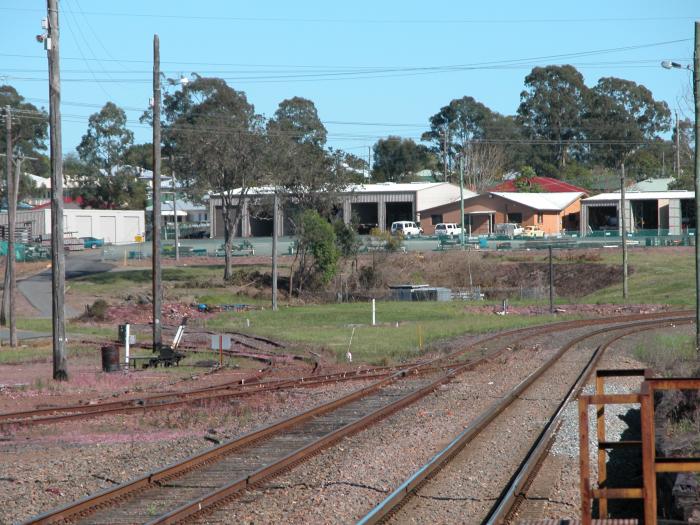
column 110, row 358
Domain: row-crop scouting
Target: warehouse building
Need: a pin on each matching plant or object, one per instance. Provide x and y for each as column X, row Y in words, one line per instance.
column 370, row 205
column 651, row 212
column 114, row 226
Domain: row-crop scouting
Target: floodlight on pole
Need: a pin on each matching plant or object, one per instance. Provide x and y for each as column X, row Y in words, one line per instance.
column 668, row 64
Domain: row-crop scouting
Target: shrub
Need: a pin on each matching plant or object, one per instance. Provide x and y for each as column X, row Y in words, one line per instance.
column 97, row 311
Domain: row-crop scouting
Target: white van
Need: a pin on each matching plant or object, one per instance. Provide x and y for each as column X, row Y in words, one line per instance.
column 406, row 228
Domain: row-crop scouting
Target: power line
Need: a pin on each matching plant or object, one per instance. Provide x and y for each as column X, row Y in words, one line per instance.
column 388, row 21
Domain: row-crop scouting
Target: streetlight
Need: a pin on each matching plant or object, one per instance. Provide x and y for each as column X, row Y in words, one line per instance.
column 667, row 64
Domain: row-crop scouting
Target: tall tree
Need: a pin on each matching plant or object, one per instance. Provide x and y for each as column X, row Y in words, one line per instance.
column 297, row 118
column 621, row 117
column 29, row 134
column 219, row 144
column 398, row 160
column 551, row 108
column 105, row 180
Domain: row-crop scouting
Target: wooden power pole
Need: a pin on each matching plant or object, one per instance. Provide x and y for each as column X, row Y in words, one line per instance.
column 696, row 96
column 623, row 231
column 6, row 306
column 274, row 251
column 155, row 257
column 58, row 273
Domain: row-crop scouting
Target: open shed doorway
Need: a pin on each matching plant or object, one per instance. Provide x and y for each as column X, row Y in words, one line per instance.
column 688, row 221
column 398, row 211
column 365, row 215
column 602, row 218
column 645, row 214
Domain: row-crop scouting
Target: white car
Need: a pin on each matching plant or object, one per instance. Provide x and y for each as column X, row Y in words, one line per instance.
column 447, row 228
column 406, row 228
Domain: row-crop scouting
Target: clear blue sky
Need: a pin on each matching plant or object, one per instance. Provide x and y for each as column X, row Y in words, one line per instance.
column 356, row 60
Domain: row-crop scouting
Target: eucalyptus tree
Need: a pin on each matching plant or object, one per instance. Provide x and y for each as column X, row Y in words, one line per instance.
column 219, row 143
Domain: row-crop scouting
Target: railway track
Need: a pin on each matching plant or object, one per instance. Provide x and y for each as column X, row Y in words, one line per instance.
column 437, row 489
column 208, row 479
column 484, row 346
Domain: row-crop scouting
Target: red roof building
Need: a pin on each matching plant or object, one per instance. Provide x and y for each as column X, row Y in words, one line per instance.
column 544, row 184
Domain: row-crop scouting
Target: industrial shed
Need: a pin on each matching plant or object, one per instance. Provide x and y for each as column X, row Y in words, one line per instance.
column 114, row 226
column 652, row 212
column 552, row 212
column 373, row 205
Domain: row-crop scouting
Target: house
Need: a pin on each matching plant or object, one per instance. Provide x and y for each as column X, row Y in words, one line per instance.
column 370, row 205
column 553, row 212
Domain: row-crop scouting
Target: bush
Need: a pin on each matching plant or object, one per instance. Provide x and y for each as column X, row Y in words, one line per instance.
column 98, row 310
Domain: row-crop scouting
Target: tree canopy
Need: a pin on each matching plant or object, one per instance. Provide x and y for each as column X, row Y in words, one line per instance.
column 398, row 160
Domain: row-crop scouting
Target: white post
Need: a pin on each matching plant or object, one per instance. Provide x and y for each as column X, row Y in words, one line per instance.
column 374, row 313
column 126, row 345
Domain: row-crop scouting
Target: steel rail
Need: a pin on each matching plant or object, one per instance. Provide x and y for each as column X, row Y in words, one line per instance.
column 399, row 496
column 530, row 464
column 125, row 490
column 175, row 399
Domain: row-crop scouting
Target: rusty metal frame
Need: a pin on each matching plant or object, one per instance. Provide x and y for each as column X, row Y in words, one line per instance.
column 651, row 464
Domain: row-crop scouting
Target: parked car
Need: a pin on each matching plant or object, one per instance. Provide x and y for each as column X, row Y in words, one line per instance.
column 93, row 242
column 533, row 232
column 509, row 229
column 406, row 228
column 447, row 228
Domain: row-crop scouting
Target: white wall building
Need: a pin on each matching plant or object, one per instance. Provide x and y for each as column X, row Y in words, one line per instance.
column 114, row 226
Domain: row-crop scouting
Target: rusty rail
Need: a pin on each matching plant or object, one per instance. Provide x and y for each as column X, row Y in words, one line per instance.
column 507, row 497
column 127, row 489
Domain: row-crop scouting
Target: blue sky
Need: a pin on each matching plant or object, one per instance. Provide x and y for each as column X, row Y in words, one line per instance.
column 372, row 68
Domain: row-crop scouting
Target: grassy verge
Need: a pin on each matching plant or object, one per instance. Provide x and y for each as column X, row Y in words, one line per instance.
column 659, row 277
column 668, row 354
column 330, row 327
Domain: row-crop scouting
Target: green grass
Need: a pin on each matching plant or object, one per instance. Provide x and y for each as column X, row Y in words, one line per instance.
column 659, row 277
column 666, row 352
column 44, row 325
column 329, row 327
column 40, row 354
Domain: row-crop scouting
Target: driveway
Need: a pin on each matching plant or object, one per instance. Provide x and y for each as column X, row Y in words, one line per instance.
column 37, row 289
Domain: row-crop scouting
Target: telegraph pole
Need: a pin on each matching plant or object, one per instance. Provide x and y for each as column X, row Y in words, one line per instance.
column 11, row 221
column 274, row 251
column 461, row 198
column 155, row 257
column 696, row 95
column 446, row 136
column 58, row 272
column 623, row 231
column 678, row 147
column 177, row 228
column 551, row 281
column 6, row 306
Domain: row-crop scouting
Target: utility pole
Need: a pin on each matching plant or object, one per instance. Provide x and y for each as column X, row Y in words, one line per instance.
column 461, row 199
column 446, row 136
column 6, row 306
column 12, row 188
column 551, row 281
column 274, row 251
column 155, row 258
column 623, row 231
column 177, row 228
column 58, row 272
column 678, row 147
column 696, row 95
column 369, row 162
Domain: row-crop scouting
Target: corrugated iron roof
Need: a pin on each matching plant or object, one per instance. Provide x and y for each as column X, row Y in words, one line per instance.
column 555, row 201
